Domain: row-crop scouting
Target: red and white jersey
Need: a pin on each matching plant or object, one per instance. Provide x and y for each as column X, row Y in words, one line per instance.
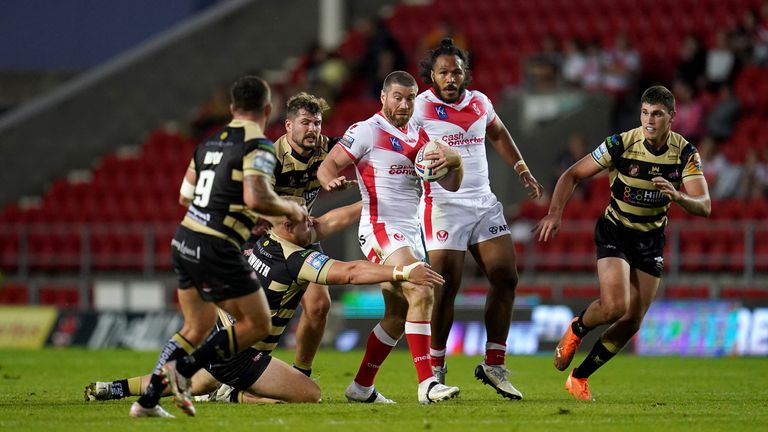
column 383, row 156
column 462, row 125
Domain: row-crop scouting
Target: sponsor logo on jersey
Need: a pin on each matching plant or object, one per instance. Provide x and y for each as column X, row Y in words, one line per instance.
column 442, row 236
column 316, row 260
column 599, row 151
column 475, row 108
column 223, row 135
column 402, row 169
column 399, row 237
column 644, row 197
column 264, row 162
column 612, row 140
column 347, row 140
column 442, row 114
column 396, row 145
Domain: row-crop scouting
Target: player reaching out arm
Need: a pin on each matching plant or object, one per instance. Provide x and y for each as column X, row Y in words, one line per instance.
column 648, row 165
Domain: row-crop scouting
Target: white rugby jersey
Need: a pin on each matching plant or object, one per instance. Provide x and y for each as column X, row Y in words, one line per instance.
column 462, row 125
column 383, row 156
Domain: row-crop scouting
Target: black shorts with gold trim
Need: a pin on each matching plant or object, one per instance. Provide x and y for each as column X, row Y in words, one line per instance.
column 242, row 370
column 642, row 250
column 214, row 266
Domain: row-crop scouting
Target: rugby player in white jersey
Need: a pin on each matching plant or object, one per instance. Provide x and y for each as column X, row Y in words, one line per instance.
column 383, row 149
column 471, row 218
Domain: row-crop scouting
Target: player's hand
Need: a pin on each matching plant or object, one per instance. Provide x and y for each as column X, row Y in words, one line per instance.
column 339, row 184
column 535, row 189
column 261, row 227
column 665, row 187
column 443, row 157
column 547, row 227
column 422, row 274
column 298, row 214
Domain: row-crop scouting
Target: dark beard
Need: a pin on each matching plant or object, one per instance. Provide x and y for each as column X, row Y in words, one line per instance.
column 459, row 93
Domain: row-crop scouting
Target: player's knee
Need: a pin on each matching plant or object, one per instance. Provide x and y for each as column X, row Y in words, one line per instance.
column 615, row 310
column 311, row 393
column 420, row 297
column 195, row 331
column 254, row 328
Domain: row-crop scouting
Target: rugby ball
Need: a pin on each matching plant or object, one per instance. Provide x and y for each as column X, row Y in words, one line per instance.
column 423, row 166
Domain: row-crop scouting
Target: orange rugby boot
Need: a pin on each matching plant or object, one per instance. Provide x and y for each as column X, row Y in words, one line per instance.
column 566, row 348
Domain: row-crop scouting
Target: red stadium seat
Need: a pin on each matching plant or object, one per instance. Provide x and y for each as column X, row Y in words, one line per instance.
column 543, row 292
column 744, row 293
column 581, row 291
column 14, row 293
column 687, row 292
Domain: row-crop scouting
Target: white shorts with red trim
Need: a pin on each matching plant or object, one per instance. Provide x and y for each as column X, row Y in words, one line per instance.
column 380, row 240
column 456, row 224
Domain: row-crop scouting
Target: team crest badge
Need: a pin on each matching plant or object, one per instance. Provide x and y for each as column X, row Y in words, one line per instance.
column 399, row 237
column 442, row 236
column 396, row 145
column 442, row 114
column 634, row 169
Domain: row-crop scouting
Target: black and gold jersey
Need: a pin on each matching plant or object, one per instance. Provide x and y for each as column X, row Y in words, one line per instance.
column 296, row 175
column 221, row 163
column 632, row 163
column 284, row 270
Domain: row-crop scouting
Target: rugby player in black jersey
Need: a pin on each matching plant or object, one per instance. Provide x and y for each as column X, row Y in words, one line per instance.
column 226, row 186
column 646, row 167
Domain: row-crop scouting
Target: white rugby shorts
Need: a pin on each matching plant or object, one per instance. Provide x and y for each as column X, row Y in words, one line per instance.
column 455, row 224
column 380, row 241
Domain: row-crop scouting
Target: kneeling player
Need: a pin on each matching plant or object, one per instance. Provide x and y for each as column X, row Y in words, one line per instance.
column 285, row 267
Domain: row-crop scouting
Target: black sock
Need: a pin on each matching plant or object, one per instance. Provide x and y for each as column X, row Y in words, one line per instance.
column 177, row 347
column 219, row 347
column 234, row 397
column 306, row 372
column 578, row 327
column 599, row 355
column 119, row 389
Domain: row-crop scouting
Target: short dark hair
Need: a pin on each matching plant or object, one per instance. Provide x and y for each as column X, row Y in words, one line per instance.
column 402, row 78
column 250, row 93
column 310, row 103
column 446, row 48
column 658, row 94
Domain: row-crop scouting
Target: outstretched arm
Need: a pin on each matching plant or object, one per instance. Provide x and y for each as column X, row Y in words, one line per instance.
column 504, row 144
column 549, row 225
column 336, row 220
column 364, row 272
column 328, row 173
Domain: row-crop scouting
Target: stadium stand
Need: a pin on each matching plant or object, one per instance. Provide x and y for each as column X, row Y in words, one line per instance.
column 96, row 230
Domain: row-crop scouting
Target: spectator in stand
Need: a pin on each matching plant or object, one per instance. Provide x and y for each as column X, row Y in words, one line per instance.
column 723, row 117
column 575, row 150
column 443, row 29
column 693, row 62
column 543, row 68
column 760, row 53
column 323, row 73
column 721, row 174
column 689, row 121
column 574, row 62
column 754, row 179
column 721, row 61
column 744, row 36
column 621, row 65
column 383, row 54
column 592, row 78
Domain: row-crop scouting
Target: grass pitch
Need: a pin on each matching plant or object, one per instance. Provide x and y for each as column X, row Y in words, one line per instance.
column 43, row 391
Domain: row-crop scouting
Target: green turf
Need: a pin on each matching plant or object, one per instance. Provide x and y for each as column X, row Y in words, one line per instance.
column 42, row 390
